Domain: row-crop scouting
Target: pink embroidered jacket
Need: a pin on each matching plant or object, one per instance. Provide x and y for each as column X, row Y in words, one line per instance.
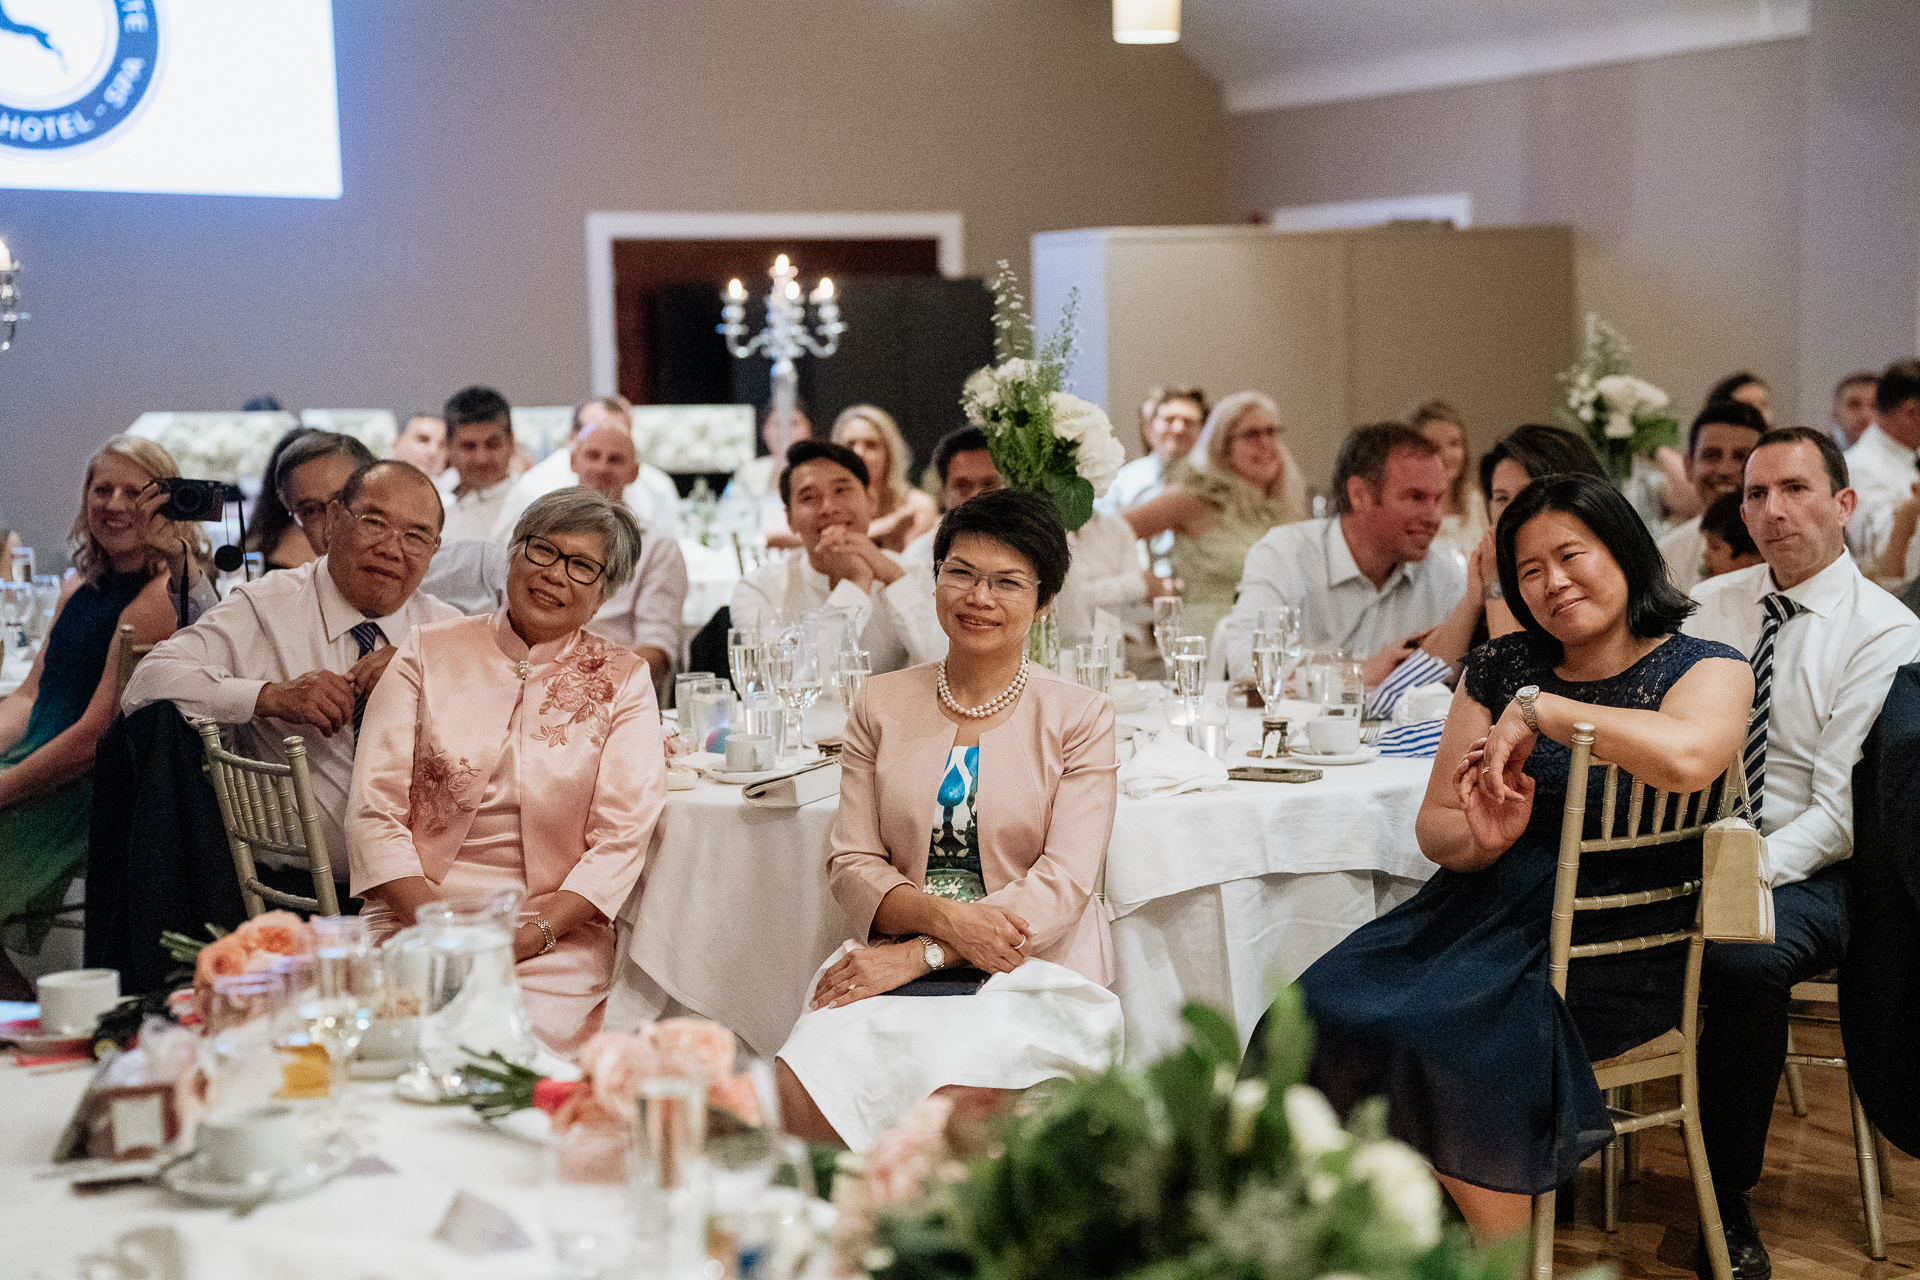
column 593, row 776
column 1045, row 808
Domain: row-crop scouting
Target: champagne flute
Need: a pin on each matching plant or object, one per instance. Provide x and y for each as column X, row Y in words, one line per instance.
column 856, row 667
column 1189, row 666
column 743, row 660
column 1269, row 664
column 1169, row 613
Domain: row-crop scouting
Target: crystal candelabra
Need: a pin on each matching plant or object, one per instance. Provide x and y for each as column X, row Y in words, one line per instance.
column 10, row 313
column 787, row 335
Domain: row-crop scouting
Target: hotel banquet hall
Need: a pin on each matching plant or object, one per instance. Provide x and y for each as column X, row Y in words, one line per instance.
column 224, row 220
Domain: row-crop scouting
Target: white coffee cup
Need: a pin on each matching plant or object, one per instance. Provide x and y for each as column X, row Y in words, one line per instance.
column 1333, row 735
column 749, row 752
column 252, row 1145
column 73, row 1000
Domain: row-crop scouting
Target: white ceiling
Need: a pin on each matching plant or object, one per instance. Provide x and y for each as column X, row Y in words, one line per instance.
column 1287, row 53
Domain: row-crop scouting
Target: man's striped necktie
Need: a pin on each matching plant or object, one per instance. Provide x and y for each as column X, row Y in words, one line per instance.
column 1753, row 755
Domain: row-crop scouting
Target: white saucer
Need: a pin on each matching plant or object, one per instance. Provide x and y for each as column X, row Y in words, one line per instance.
column 31, row 1039
column 714, row 765
column 378, row 1068
column 191, row 1179
column 1361, row 756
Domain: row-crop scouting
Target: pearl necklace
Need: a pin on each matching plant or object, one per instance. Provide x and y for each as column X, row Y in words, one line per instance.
column 985, row 709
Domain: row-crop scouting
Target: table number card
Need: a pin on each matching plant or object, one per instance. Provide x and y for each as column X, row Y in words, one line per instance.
column 476, row 1228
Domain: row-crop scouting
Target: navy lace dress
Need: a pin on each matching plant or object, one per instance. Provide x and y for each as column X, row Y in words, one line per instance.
column 1443, row 1004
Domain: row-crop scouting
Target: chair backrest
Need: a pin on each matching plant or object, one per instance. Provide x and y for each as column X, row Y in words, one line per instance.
column 270, row 807
column 126, row 657
column 1654, row 817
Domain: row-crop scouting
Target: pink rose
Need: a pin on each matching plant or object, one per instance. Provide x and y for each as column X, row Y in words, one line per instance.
column 899, row 1163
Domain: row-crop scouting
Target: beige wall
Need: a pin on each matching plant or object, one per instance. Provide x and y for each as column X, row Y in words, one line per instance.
column 1681, row 177
column 1341, row 328
column 477, row 135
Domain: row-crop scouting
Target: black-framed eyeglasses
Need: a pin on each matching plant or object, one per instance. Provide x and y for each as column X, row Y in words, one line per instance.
column 413, row 542
column 543, row 553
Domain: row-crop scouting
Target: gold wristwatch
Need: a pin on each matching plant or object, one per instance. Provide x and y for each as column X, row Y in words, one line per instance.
column 936, row 954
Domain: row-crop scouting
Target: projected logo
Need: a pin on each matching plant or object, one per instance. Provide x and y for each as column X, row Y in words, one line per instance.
column 72, row 70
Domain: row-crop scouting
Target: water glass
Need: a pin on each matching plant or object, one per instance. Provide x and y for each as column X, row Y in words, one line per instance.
column 856, row 668
column 763, row 713
column 585, row 1202
column 1189, row 666
column 348, row 990
column 684, row 686
column 46, row 597
column 1209, row 729
column 711, row 716
column 238, row 1054
column 1092, row 667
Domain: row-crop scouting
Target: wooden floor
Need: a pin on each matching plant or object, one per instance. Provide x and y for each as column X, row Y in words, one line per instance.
column 1807, row 1204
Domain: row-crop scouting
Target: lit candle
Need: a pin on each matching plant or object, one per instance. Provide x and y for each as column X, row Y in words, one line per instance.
column 793, row 289
column 735, row 290
column 6, row 263
column 825, row 292
column 780, row 266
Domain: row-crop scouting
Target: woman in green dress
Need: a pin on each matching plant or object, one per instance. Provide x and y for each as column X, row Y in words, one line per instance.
column 128, row 562
column 1247, row 484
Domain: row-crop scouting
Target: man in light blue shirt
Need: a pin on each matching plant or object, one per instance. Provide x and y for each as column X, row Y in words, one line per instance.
column 1170, row 421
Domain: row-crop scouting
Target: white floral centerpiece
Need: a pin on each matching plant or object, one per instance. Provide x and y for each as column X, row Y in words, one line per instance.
column 1622, row 416
column 1176, row 1171
column 1042, row 438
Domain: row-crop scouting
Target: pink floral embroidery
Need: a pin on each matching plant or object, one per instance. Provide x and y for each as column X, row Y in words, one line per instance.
column 435, row 794
column 582, row 690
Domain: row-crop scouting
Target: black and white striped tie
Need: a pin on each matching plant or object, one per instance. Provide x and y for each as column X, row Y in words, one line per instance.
column 1754, row 754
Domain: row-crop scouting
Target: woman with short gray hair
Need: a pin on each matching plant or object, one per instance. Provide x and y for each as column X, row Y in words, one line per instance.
column 520, row 751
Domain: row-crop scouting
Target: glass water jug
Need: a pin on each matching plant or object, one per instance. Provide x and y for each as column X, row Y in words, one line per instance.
column 455, row 966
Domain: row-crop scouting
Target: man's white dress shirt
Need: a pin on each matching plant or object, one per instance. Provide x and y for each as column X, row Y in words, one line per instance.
column 651, row 496
column 272, row 630
column 1308, row 564
column 470, row 576
column 1684, row 547
column 1881, row 470
column 471, row 516
column 1832, row 666
column 896, row 623
column 647, row 610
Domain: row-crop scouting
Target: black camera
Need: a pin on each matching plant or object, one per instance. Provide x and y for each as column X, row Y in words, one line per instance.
column 203, row 500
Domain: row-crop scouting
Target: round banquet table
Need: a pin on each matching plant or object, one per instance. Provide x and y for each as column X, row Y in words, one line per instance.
column 374, row 1222
column 1212, row 895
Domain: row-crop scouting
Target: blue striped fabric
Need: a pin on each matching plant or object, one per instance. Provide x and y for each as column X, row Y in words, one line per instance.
column 1421, row 738
column 1421, row 668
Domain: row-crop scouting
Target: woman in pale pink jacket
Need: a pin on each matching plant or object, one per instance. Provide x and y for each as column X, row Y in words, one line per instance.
column 519, row 751
column 976, row 800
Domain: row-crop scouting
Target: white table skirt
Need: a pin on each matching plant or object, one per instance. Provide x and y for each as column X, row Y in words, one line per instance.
column 1211, row 895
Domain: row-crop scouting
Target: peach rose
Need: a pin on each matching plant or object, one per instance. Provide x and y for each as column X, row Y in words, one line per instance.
column 899, row 1163
column 281, row 932
column 687, row 1046
column 221, row 958
column 737, row 1094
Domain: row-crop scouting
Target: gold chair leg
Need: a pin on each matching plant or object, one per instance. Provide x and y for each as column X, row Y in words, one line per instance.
column 1610, row 1161
column 1543, row 1236
column 1711, row 1231
column 1796, row 1091
column 1863, row 1144
column 1634, row 1151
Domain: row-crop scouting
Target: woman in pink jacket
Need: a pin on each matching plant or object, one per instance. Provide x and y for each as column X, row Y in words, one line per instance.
column 519, row 751
column 976, row 800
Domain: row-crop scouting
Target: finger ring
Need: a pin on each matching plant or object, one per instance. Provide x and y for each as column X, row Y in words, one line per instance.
column 1486, row 768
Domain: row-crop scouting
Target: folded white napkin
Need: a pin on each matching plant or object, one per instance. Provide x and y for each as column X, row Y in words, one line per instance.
column 1168, row 766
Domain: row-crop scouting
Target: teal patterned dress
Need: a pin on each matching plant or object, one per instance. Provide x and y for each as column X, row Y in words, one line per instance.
column 953, row 855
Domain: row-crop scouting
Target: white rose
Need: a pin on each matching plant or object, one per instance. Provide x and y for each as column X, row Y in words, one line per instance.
column 1015, row 370
column 1402, row 1186
column 1076, row 419
column 1316, row 1129
column 1619, row 426
column 1100, row 461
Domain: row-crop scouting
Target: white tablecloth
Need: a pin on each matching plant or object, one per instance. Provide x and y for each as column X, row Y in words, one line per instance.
column 1211, row 896
column 369, row 1227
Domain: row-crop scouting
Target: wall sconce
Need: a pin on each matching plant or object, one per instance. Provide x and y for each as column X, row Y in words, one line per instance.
column 1146, row 21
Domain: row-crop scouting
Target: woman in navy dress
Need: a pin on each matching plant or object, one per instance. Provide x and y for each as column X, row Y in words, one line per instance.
column 1443, row 1005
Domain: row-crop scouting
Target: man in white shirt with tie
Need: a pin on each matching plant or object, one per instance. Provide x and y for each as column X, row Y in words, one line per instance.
column 824, row 490
column 645, row 614
column 297, row 652
column 1825, row 643
column 480, row 450
column 1362, row 580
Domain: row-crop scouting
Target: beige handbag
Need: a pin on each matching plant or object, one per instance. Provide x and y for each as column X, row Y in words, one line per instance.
column 1736, row 901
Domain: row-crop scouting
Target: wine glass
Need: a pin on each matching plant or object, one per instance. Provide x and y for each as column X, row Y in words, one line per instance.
column 345, row 996
column 743, row 660
column 1189, row 666
column 796, row 668
column 1169, row 615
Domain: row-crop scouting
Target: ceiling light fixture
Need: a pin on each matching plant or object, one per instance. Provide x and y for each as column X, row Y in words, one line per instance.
column 1146, row 21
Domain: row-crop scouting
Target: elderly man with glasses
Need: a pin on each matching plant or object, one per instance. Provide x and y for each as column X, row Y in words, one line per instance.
column 298, row 652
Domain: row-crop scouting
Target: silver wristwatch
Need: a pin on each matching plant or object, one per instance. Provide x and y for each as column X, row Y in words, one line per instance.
column 936, row 954
column 1525, row 698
